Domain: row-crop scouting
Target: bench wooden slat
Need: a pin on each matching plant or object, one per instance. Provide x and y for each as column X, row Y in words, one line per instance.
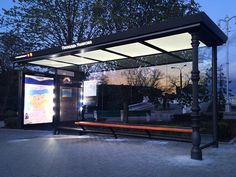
column 137, row 127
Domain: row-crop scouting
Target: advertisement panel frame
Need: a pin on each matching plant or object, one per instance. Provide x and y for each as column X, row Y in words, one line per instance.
column 48, row 125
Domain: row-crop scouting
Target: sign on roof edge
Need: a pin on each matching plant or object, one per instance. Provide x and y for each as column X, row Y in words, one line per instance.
column 79, row 44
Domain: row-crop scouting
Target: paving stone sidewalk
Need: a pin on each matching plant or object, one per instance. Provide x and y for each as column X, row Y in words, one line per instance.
column 41, row 154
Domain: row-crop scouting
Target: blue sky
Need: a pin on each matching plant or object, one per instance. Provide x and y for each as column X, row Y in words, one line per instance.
column 5, row 4
column 216, row 9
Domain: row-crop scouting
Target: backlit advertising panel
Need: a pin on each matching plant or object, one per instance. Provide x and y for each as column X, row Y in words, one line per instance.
column 90, row 88
column 90, row 93
column 38, row 99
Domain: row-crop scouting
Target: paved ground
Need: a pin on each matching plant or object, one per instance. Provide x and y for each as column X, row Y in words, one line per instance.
column 41, row 154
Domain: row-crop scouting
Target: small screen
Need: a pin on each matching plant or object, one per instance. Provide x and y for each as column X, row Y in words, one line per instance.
column 90, row 88
column 66, row 93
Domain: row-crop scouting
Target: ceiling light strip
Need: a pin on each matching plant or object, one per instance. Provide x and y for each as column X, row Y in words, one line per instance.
column 72, row 60
column 163, row 51
column 128, row 57
column 37, row 62
column 86, row 58
column 135, row 49
column 41, row 65
column 59, row 61
column 99, row 61
column 117, row 53
column 100, row 55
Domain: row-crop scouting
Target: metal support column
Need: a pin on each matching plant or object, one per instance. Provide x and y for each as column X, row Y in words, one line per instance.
column 214, row 95
column 196, row 152
column 57, row 102
column 20, row 111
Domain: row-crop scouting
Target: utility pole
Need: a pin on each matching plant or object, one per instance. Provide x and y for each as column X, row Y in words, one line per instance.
column 226, row 20
column 180, row 76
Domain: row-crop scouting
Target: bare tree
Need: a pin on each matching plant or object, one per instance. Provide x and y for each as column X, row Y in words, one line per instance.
column 149, row 77
column 101, row 77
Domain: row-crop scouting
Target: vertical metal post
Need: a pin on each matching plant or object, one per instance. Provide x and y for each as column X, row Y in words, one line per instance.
column 125, row 111
column 57, row 102
column 20, row 100
column 181, row 82
column 196, row 152
column 227, row 104
column 214, row 95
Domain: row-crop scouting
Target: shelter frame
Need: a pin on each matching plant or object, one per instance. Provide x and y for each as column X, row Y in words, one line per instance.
column 195, row 30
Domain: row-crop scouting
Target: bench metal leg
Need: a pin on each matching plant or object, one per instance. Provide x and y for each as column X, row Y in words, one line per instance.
column 148, row 133
column 56, row 131
column 113, row 132
column 83, row 128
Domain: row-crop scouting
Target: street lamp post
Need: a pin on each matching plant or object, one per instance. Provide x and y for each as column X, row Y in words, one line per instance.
column 226, row 20
column 180, row 75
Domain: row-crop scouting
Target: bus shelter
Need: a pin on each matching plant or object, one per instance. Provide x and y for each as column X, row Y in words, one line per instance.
column 158, row 44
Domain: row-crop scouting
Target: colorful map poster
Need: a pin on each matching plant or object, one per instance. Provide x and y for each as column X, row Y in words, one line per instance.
column 38, row 99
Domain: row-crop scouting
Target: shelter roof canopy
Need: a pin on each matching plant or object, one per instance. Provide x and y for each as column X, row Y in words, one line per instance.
column 144, row 45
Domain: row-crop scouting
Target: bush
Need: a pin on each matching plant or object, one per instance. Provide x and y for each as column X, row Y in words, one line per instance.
column 10, row 119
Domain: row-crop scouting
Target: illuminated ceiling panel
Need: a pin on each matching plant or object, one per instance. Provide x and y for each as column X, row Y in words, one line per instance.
column 73, row 59
column 134, row 50
column 173, row 43
column 50, row 63
column 101, row 55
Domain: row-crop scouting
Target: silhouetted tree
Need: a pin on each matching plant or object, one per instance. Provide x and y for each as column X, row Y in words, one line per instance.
column 146, row 77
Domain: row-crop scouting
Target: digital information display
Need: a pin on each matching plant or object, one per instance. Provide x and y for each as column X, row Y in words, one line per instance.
column 90, row 88
column 90, row 93
column 38, row 99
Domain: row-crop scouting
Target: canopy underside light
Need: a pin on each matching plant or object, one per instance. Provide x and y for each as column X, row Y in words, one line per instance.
column 50, row 63
column 174, row 42
column 134, row 50
column 73, row 60
column 101, row 55
column 171, row 43
column 159, row 43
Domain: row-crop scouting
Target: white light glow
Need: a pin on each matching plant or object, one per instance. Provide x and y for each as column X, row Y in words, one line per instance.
column 81, row 108
column 173, row 43
column 101, row 55
column 90, row 88
column 73, row 59
column 134, row 49
column 50, row 63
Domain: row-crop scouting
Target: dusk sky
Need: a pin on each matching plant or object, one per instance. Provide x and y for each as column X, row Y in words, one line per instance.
column 215, row 9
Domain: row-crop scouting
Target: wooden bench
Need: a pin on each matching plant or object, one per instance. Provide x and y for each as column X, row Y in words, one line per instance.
column 145, row 128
